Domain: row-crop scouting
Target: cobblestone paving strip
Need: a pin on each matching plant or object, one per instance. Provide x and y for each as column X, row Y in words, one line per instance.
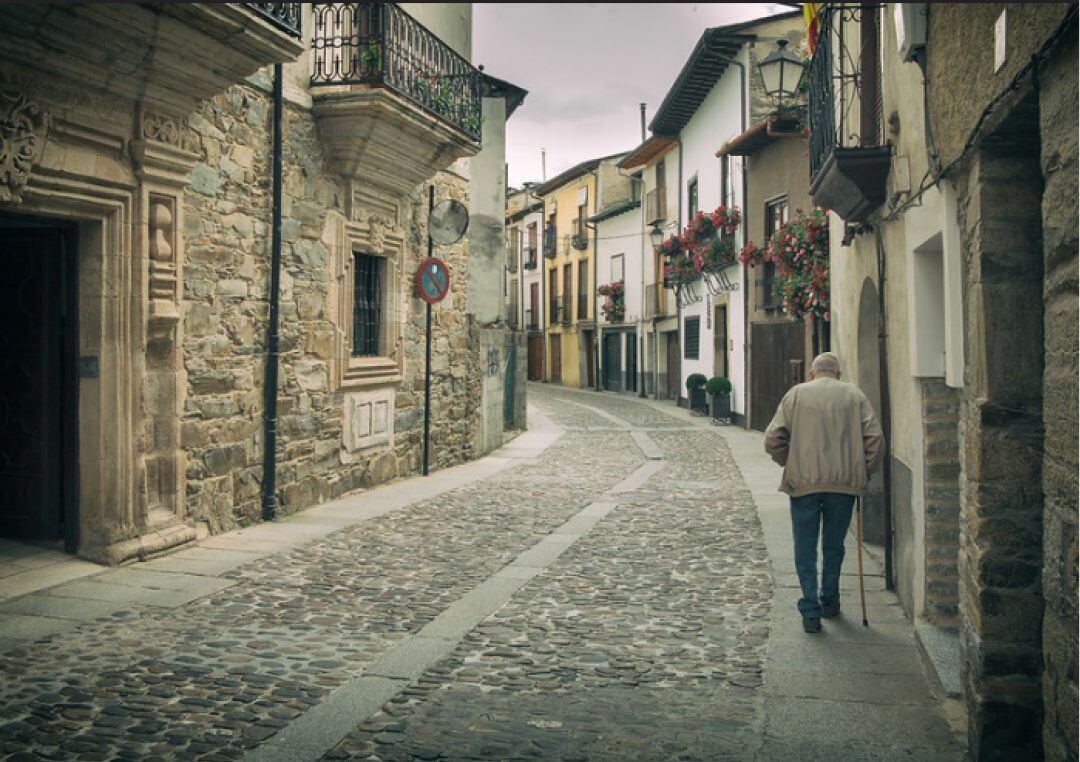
column 222, row 675
column 644, row 640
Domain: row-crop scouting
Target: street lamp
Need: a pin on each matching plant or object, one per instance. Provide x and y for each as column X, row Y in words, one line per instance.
column 656, row 237
column 781, row 70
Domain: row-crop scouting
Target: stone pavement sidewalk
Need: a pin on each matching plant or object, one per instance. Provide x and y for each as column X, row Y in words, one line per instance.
column 598, row 589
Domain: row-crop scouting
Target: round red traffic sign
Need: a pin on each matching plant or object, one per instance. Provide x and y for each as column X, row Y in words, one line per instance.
column 432, row 280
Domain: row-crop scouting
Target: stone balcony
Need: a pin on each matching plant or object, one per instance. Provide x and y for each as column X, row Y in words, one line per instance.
column 167, row 57
column 394, row 103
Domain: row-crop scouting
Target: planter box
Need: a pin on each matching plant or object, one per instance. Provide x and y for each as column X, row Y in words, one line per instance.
column 721, row 408
column 698, row 402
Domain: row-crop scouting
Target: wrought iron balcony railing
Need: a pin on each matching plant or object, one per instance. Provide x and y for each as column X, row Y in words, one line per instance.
column 531, row 320
column 583, row 307
column 380, row 44
column 847, row 148
column 285, row 16
column 550, row 242
column 845, row 87
column 529, row 258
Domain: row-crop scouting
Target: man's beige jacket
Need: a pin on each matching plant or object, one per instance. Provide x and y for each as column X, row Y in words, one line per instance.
column 826, row 437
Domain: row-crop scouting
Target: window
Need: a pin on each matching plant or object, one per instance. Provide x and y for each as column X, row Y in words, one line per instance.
column 583, row 290
column 725, row 181
column 367, row 305
column 691, row 337
column 661, row 191
column 568, row 293
column 691, row 198
column 776, row 216
column 618, row 267
column 530, row 251
column 553, row 296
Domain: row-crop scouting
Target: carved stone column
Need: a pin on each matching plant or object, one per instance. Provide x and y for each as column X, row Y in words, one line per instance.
column 162, row 162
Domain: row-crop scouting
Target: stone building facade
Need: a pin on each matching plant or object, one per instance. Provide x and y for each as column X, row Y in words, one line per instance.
column 1008, row 138
column 147, row 190
column 955, row 306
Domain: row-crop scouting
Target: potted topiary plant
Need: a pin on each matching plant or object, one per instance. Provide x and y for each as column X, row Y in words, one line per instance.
column 695, row 384
column 719, row 388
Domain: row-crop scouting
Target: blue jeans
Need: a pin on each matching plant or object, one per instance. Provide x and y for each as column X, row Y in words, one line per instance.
column 827, row 514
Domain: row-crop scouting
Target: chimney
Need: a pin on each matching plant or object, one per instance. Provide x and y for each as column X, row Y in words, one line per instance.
column 642, row 122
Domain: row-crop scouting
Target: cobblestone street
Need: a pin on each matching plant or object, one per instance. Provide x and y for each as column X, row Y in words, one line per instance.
column 607, row 595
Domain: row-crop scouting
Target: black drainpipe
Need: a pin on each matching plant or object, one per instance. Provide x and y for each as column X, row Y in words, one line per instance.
column 270, row 387
column 886, row 414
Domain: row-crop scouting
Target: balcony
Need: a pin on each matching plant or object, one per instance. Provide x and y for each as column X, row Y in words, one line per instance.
column 550, row 242
column 285, row 16
column 166, row 56
column 394, row 103
column 529, row 261
column 579, row 241
column 531, row 322
column 849, row 161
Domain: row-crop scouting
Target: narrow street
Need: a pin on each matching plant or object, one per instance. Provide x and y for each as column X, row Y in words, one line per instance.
column 612, row 585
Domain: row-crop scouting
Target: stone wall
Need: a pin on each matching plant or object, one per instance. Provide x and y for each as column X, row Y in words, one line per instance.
column 226, row 277
column 1018, row 420
column 941, row 497
column 1058, row 118
column 960, row 65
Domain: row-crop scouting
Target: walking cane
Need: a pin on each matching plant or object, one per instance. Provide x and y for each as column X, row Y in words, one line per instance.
column 858, row 544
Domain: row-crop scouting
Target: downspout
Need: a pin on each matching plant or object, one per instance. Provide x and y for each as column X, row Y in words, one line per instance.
column 886, row 414
column 273, row 337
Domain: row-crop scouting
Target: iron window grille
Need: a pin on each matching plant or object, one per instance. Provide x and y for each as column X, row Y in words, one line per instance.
column 380, row 44
column 367, row 305
column 285, row 16
column 691, row 337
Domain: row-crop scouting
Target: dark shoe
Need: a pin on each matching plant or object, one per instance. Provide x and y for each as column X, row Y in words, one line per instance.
column 811, row 625
column 829, row 609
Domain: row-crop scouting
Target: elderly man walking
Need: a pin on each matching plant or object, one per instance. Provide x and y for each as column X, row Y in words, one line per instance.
column 828, row 440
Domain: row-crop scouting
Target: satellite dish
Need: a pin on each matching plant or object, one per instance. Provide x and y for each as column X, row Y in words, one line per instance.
column 448, row 222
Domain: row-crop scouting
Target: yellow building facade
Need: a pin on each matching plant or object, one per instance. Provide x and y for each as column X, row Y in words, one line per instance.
column 570, row 275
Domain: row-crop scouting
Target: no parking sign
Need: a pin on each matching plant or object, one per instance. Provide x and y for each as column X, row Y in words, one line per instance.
column 432, row 280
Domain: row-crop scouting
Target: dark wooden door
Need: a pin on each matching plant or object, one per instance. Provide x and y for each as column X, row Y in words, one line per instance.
column 556, row 359
column 720, row 342
column 777, row 352
column 536, row 358
column 612, row 362
column 672, row 365
column 631, row 361
column 36, row 385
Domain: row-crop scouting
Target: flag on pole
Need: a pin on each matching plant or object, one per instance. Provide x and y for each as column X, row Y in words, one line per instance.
column 812, row 17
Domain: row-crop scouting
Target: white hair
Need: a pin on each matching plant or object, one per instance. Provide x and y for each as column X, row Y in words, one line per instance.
column 826, row 362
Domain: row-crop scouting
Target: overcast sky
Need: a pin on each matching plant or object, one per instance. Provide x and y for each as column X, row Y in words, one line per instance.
column 587, row 66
